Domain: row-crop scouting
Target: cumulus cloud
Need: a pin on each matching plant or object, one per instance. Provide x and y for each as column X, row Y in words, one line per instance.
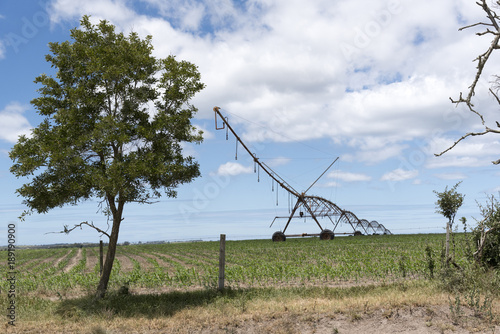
column 2, row 50
column 399, row 175
column 2, row 43
column 276, row 162
column 233, row 169
column 111, row 10
column 349, row 177
column 13, row 123
column 325, row 70
column 451, row 176
column 331, row 184
column 471, row 152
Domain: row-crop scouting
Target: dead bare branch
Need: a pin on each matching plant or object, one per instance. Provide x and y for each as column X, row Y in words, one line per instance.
column 91, row 224
column 482, row 59
column 475, row 25
column 478, row 254
column 459, row 140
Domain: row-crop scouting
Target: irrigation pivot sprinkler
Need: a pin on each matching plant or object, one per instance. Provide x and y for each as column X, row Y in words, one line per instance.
column 307, row 205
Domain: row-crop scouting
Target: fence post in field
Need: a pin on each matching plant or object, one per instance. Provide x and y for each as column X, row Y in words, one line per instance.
column 222, row 261
column 101, row 256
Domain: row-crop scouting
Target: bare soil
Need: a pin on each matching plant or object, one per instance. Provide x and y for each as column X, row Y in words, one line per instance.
column 53, row 259
column 145, row 264
column 73, row 261
column 410, row 319
column 125, row 263
column 92, row 260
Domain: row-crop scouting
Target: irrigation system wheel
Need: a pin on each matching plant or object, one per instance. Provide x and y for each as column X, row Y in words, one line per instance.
column 326, row 234
column 357, row 233
column 279, row 236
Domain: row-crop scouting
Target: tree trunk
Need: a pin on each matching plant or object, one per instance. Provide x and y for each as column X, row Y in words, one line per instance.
column 447, row 253
column 110, row 254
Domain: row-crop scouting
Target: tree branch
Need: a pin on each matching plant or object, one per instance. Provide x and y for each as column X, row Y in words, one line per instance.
column 481, row 62
column 459, row 140
column 478, row 254
column 474, row 25
column 91, row 224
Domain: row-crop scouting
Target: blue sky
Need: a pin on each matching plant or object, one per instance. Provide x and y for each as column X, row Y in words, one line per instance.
column 366, row 81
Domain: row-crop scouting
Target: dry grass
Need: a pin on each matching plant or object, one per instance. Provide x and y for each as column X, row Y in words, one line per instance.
column 376, row 308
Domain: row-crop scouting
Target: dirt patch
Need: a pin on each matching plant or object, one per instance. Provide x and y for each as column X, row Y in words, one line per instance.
column 175, row 259
column 92, row 260
column 203, row 257
column 59, row 260
column 142, row 259
column 28, row 264
column 166, row 266
column 73, row 261
column 435, row 319
column 126, row 265
column 425, row 319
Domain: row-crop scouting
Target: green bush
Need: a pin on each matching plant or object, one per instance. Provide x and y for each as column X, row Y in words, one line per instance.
column 486, row 234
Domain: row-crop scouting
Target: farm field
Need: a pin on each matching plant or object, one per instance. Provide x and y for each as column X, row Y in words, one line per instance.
column 253, row 263
column 64, row 278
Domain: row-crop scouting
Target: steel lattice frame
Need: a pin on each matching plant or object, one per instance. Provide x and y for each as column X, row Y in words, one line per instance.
column 315, row 206
column 320, row 207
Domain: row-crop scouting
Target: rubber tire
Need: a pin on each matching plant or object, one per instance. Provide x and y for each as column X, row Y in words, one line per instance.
column 279, row 236
column 326, row 234
column 358, row 233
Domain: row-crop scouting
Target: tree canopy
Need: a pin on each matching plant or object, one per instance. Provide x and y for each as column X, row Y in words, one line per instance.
column 448, row 202
column 114, row 120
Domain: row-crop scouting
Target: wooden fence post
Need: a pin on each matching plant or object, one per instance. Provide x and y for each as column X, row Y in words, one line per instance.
column 222, row 261
column 101, row 257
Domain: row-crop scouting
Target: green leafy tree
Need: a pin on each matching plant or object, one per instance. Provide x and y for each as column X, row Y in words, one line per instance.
column 448, row 203
column 114, row 121
column 487, row 233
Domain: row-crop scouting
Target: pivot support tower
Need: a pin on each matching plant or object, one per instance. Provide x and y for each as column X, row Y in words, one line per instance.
column 309, row 206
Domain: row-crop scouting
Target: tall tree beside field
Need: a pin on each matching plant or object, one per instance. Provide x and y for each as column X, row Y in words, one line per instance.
column 448, row 203
column 115, row 118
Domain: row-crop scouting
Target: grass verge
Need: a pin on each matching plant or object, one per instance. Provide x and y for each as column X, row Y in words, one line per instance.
column 259, row 310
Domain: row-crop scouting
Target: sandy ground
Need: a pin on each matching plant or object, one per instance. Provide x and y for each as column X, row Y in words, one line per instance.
column 424, row 319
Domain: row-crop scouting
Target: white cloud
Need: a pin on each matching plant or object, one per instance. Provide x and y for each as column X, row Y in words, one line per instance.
column 189, row 14
column 13, row 123
column 471, row 152
column 233, row 169
column 349, row 177
column 495, row 190
column 275, row 162
column 446, row 162
column 331, row 184
column 284, row 65
column 372, row 150
column 2, row 50
column 451, row 176
column 111, row 10
column 399, row 175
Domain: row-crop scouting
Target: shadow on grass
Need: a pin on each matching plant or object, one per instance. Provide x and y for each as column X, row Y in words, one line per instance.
column 145, row 305
column 168, row 304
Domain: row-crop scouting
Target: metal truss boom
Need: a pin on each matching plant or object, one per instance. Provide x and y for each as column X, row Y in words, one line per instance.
column 262, row 165
column 315, row 206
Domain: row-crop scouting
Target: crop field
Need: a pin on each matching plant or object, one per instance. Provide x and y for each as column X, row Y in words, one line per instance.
column 253, row 263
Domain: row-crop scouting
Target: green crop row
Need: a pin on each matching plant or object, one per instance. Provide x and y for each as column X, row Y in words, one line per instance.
column 248, row 263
